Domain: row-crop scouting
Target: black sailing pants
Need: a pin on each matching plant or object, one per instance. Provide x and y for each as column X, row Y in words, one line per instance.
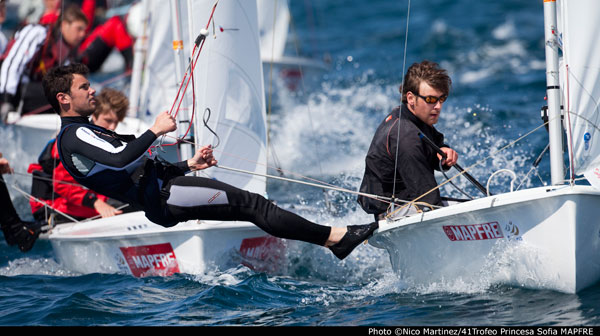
column 193, row 197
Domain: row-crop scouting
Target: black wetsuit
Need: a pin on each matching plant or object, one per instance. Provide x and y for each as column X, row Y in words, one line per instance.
column 116, row 166
column 16, row 231
column 416, row 162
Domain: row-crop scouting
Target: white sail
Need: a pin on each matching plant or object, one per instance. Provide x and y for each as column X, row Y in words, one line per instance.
column 230, row 84
column 159, row 85
column 580, row 81
column 228, row 81
column 273, row 21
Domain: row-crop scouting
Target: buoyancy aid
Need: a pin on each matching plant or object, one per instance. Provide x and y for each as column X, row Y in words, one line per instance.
column 138, row 184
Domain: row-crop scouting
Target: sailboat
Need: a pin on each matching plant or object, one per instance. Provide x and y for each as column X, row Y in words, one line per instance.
column 542, row 238
column 228, row 97
column 274, row 21
column 33, row 130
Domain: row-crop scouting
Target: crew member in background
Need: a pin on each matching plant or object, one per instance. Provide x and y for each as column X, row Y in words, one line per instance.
column 63, row 193
column 39, row 47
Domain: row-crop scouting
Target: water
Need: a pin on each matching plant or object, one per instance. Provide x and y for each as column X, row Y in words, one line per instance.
column 494, row 53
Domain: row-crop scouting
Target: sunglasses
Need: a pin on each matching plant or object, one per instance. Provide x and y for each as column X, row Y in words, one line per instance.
column 432, row 99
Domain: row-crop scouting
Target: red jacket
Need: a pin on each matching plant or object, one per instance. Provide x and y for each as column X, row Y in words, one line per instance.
column 68, row 197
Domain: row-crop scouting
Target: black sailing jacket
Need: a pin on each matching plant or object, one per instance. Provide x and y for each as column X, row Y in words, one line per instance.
column 116, row 166
column 416, row 162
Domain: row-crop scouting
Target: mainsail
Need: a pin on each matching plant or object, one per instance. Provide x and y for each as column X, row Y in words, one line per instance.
column 579, row 24
column 228, row 81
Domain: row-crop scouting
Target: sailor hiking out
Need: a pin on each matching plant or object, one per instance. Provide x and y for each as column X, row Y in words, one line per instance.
column 117, row 166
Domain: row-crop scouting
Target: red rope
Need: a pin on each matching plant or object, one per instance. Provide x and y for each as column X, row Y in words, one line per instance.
column 179, row 96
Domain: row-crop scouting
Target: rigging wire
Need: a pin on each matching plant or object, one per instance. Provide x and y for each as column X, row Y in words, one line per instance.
column 310, row 119
column 401, row 94
column 452, row 183
column 198, row 45
column 325, row 185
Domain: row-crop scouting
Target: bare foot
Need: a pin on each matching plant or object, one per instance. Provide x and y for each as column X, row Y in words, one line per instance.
column 335, row 236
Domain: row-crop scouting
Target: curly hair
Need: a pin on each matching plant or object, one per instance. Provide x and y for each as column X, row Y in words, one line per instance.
column 111, row 99
column 428, row 72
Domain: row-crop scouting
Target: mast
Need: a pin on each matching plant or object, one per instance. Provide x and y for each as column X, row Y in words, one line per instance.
column 183, row 116
column 553, row 93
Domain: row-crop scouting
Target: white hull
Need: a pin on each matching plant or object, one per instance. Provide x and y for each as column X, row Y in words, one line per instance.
column 131, row 244
column 542, row 238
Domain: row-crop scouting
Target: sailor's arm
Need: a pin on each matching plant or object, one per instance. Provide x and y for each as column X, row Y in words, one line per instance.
column 202, row 159
column 120, row 157
column 84, row 143
column 26, row 45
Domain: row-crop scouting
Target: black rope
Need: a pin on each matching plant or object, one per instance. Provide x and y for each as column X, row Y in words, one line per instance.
column 205, row 119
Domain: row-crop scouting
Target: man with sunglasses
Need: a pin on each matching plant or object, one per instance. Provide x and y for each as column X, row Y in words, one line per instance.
column 399, row 163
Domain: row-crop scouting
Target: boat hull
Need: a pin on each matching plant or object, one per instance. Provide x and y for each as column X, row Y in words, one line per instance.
column 131, row 244
column 543, row 238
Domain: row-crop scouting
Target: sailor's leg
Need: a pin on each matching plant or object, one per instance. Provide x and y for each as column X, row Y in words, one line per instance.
column 200, row 198
column 8, row 215
column 16, row 232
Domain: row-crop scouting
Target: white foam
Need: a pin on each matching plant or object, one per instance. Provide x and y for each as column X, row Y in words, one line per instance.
column 34, row 266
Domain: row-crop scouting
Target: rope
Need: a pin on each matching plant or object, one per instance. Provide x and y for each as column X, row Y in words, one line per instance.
column 14, row 186
column 325, row 186
column 49, row 179
column 319, row 184
column 198, row 45
column 570, row 131
column 310, row 119
column 389, row 215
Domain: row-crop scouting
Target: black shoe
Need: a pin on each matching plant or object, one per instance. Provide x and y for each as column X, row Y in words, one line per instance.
column 356, row 234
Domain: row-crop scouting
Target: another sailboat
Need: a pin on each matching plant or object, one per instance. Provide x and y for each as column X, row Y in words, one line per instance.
column 229, row 98
column 274, row 21
column 33, row 130
column 542, row 238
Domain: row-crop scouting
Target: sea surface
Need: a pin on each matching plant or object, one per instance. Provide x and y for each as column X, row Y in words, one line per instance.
column 322, row 128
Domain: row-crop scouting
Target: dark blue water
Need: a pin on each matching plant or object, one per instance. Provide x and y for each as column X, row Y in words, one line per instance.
column 494, row 53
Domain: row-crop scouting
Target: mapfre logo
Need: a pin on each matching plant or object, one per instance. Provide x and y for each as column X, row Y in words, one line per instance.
column 263, row 254
column 483, row 231
column 151, row 260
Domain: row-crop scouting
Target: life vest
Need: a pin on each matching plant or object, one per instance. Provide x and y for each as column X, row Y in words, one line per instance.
column 137, row 183
column 55, row 51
